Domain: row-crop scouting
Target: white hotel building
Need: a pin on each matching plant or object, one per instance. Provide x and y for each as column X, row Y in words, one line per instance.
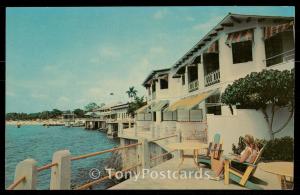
column 186, row 96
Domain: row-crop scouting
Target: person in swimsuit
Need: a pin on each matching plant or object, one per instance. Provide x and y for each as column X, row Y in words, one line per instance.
column 247, row 155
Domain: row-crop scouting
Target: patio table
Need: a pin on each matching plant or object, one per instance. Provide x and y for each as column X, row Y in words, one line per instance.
column 282, row 169
column 195, row 146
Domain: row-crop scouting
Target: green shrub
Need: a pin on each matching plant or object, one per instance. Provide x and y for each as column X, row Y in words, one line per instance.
column 281, row 149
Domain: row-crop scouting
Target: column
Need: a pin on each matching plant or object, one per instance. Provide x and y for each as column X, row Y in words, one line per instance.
column 259, row 53
column 225, row 59
column 61, row 174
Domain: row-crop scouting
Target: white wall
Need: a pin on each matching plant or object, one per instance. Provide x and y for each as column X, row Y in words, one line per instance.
column 246, row 121
column 168, row 128
column 143, row 125
column 189, row 129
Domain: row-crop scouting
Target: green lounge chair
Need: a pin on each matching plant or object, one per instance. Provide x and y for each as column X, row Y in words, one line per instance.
column 245, row 178
column 214, row 147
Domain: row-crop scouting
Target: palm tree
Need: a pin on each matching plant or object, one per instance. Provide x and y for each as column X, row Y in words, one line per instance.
column 131, row 92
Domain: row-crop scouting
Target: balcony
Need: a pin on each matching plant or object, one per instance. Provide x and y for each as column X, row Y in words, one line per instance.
column 194, row 85
column 285, row 57
column 111, row 120
column 212, row 78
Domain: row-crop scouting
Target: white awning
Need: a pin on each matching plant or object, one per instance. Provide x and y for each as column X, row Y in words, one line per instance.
column 191, row 101
column 142, row 109
column 159, row 105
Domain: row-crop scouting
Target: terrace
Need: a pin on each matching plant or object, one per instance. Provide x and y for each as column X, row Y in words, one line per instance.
column 191, row 183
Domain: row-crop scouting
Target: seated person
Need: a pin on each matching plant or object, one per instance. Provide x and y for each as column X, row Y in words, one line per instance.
column 247, row 155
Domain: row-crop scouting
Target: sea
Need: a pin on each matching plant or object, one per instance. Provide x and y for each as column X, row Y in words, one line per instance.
column 39, row 143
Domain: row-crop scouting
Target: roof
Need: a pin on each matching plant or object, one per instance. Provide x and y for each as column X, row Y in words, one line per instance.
column 155, row 72
column 120, row 106
column 109, row 106
column 227, row 21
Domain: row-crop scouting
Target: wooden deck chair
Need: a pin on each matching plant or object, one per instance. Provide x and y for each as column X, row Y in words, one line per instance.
column 243, row 178
column 214, row 150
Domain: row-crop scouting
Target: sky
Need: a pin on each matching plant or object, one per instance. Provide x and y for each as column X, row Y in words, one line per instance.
column 67, row 57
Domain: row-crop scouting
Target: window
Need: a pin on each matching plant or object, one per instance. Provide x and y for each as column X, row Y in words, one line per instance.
column 192, row 73
column 154, row 116
column 216, row 110
column 212, row 106
column 169, row 116
column 213, row 98
column 183, row 79
column 153, row 87
column 242, row 52
column 279, row 48
column 211, row 62
column 164, row 83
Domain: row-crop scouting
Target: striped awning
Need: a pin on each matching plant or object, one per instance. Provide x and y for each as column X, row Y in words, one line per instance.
column 270, row 31
column 191, row 101
column 157, row 106
column 181, row 70
column 165, row 76
column 235, row 37
column 196, row 60
column 213, row 48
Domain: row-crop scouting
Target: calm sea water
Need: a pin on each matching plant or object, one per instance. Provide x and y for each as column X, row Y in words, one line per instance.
column 40, row 143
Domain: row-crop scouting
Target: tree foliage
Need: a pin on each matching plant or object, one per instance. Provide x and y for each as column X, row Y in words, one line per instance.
column 136, row 104
column 260, row 89
column 90, row 107
column 79, row 113
column 55, row 113
column 132, row 92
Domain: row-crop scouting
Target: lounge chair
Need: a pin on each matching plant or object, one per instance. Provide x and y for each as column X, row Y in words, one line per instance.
column 245, row 178
column 214, row 150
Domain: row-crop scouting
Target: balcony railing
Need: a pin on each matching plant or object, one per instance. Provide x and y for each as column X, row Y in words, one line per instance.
column 193, row 85
column 284, row 57
column 111, row 120
column 212, row 78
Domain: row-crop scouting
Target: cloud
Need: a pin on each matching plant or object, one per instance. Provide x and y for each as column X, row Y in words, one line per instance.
column 10, row 93
column 203, row 26
column 63, row 99
column 39, row 96
column 50, row 68
column 208, row 25
column 104, row 52
column 160, row 14
column 189, row 18
column 157, row 50
column 109, row 52
column 95, row 60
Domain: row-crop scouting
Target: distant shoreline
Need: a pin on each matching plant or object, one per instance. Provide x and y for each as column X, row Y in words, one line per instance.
column 29, row 122
column 38, row 122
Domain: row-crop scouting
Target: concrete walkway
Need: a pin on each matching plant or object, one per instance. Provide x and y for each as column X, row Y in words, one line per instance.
column 193, row 182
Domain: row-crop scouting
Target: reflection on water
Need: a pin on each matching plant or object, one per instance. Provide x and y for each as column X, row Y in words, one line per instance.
column 40, row 143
